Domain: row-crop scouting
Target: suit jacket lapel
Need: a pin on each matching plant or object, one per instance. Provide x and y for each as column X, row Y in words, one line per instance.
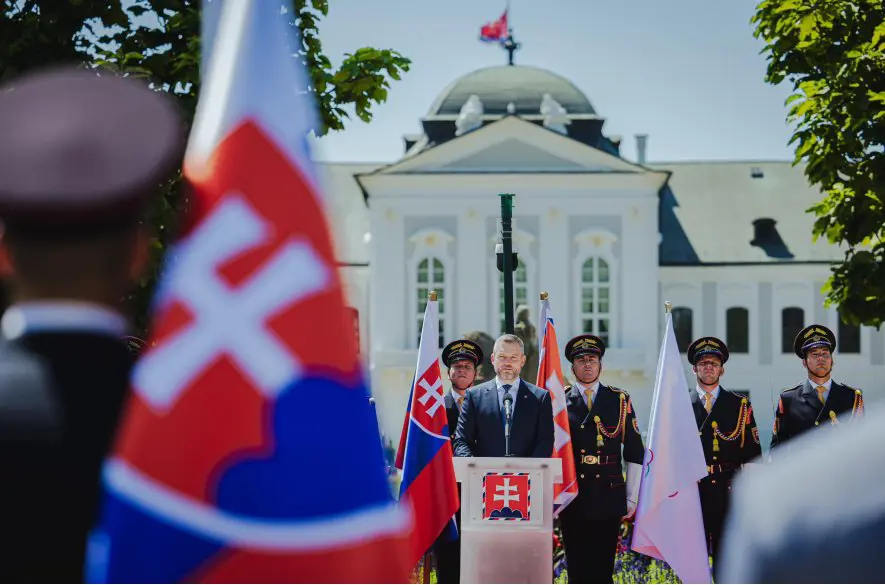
column 490, row 395
column 809, row 395
column 719, row 405
column 700, row 413
column 576, row 399
column 525, row 411
column 450, row 400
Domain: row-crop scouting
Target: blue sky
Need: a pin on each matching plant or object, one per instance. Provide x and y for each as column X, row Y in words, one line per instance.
column 686, row 72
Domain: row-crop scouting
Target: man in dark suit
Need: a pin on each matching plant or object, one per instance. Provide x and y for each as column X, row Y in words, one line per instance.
column 817, row 400
column 81, row 160
column 727, row 428
column 481, row 426
column 601, row 423
column 462, row 357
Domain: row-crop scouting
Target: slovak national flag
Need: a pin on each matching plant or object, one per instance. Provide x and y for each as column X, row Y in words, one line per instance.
column 495, row 31
column 249, row 452
column 428, row 485
column 550, row 378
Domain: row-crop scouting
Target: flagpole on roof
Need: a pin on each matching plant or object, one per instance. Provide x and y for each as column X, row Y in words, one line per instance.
column 510, row 45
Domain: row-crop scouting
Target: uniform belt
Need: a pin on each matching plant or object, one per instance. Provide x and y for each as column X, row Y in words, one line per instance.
column 723, row 467
column 600, row 459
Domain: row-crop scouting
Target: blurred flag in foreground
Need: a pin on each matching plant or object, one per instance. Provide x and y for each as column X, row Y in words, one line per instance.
column 249, row 451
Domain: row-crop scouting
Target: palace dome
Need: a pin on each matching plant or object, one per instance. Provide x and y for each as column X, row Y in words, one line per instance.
column 522, row 85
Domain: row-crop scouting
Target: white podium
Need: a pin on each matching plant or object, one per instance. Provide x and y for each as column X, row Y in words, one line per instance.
column 507, row 518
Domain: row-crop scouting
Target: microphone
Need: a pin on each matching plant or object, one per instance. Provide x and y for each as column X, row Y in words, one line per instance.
column 508, row 407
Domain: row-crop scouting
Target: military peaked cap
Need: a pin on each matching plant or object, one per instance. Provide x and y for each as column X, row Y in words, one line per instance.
column 82, row 150
column 707, row 346
column 462, row 349
column 582, row 345
column 811, row 337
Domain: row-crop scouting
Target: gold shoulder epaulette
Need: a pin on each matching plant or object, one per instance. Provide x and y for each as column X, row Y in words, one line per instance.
column 616, row 389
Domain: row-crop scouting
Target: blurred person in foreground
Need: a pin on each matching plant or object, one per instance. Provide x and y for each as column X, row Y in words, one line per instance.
column 81, row 160
column 817, row 516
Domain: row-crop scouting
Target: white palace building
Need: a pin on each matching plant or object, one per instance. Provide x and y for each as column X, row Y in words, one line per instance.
column 610, row 240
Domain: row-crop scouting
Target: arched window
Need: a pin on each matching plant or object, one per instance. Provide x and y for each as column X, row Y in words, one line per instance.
column 596, row 309
column 431, row 275
column 737, row 330
column 792, row 322
column 847, row 337
column 430, row 267
column 683, row 327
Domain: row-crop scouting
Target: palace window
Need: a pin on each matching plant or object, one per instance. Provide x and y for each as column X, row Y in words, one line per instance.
column 430, row 267
column 596, row 311
column 847, row 337
column 431, row 275
column 737, row 330
column 792, row 322
column 520, row 290
column 683, row 327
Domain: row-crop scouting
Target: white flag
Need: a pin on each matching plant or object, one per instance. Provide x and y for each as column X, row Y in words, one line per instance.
column 669, row 524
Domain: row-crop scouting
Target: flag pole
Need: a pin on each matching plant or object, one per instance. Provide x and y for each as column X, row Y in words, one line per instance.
column 668, row 306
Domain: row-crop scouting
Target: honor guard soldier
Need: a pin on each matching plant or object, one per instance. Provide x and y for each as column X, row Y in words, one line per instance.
column 818, row 400
column 728, row 432
column 81, row 161
column 462, row 357
column 602, row 422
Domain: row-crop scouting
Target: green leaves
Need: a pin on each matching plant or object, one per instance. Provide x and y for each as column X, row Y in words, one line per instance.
column 832, row 52
column 159, row 40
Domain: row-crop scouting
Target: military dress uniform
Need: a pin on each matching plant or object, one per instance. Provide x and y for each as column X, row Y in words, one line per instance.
column 600, row 427
column 809, row 405
column 448, row 552
column 730, row 438
column 80, row 154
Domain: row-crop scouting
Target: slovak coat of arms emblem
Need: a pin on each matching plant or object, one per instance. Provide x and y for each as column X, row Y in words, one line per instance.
column 506, row 496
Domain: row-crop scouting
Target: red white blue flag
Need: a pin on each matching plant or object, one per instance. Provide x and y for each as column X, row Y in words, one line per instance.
column 550, row 378
column 428, row 485
column 495, row 31
column 249, row 452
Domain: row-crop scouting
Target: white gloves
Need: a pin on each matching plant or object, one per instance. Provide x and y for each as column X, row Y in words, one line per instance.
column 634, row 473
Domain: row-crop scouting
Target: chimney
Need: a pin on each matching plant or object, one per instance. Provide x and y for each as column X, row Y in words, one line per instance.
column 641, row 142
column 764, row 231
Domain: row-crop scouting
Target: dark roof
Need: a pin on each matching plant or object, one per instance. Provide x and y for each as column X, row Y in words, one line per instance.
column 522, row 85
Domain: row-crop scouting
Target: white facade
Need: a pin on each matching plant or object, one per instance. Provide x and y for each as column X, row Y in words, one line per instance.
column 429, row 221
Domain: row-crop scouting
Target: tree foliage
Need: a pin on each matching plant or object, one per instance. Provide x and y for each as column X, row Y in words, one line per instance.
column 833, row 54
column 159, row 40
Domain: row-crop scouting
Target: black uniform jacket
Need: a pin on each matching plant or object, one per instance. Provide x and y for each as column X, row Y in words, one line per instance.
column 61, row 394
column 799, row 409
column 597, row 438
column 728, row 433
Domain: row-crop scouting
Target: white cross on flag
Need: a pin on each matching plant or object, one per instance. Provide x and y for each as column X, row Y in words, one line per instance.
column 550, row 378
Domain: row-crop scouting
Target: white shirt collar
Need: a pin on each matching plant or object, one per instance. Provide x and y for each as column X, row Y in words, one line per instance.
column 594, row 388
column 701, row 392
column 826, row 384
column 513, row 385
column 34, row 316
